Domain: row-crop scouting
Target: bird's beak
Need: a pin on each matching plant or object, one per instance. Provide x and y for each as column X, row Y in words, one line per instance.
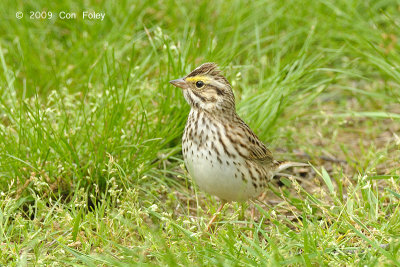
column 179, row 83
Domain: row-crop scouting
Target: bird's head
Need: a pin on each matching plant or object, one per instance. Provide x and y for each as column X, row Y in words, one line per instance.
column 207, row 89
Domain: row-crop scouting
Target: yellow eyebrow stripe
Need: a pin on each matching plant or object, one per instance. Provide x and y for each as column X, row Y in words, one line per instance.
column 197, row 78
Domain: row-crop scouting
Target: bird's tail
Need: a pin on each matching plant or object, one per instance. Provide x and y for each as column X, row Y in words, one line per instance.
column 283, row 165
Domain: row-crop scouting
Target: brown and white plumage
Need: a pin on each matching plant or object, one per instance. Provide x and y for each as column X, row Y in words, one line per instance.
column 221, row 152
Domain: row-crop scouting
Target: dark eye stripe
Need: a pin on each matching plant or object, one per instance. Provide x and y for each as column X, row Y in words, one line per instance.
column 219, row 91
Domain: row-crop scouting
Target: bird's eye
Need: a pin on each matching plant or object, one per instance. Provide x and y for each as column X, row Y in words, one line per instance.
column 199, row 84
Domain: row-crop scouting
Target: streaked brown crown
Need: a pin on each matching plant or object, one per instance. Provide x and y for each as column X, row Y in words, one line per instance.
column 207, row 89
column 210, row 69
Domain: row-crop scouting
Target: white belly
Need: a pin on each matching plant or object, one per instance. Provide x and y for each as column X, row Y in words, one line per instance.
column 214, row 171
column 219, row 179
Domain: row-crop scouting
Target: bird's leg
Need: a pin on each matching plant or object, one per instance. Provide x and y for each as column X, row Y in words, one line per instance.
column 215, row 215
column 253, row 209
column 262, row 196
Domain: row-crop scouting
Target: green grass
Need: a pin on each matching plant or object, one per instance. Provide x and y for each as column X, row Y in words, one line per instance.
column 91, row 171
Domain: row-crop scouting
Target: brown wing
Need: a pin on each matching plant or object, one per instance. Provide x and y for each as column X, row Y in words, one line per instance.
column 249, row 143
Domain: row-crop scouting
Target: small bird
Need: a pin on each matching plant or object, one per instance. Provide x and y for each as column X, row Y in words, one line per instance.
column 221, row 153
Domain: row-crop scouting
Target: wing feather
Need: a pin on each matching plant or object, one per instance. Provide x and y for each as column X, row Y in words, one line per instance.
column 254, row 149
